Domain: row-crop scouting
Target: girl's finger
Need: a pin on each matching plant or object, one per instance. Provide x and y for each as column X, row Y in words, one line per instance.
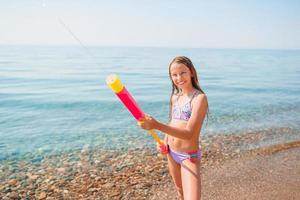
column 140, row 123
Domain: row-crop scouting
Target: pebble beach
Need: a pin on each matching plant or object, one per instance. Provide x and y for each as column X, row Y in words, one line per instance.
column 228, row 172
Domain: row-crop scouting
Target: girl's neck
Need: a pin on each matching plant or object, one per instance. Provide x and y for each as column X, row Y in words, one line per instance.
column 187, row 91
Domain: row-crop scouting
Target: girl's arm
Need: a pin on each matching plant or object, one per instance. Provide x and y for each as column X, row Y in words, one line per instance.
column 193, row 126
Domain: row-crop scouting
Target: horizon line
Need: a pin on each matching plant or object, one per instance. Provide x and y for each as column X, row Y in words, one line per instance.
column 148, row 46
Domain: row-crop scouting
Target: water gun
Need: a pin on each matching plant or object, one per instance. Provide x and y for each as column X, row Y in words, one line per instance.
column 117, row 87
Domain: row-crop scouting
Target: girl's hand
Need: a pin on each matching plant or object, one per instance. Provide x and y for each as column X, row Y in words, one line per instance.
column 162, row 148
column 148, row 123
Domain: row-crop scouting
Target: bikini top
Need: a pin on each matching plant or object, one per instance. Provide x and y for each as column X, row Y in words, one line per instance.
column 182, row 112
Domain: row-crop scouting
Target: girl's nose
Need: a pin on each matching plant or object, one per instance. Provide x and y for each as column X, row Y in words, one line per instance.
column 179, row 78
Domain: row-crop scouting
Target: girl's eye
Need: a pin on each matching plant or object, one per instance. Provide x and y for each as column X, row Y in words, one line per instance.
column 182, row 73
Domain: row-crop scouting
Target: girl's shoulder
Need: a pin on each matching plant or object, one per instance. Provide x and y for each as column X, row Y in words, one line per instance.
column 175, row 96
column 173, row 99
column 199, row 94
column 199, row 98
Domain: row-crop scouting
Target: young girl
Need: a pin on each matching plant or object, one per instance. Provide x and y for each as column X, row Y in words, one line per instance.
column 188, row 108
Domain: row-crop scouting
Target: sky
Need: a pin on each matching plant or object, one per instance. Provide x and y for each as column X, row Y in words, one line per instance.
column 266, row 24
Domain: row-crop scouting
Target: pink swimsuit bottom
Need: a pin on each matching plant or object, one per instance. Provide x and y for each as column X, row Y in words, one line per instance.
column 179, row 157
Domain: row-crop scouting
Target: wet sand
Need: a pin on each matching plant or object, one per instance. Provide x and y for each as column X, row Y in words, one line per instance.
column 228, row 172
column 273, row 176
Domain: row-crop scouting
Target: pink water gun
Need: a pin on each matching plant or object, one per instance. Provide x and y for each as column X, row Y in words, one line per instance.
column 117, row 87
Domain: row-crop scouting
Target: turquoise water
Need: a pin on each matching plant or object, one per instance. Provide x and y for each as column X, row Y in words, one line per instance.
column 54, row 99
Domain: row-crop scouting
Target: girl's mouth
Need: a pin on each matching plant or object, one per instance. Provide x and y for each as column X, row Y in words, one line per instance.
column 181, row 83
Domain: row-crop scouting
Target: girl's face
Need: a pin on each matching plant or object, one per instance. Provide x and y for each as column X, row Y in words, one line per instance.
column 181, row 75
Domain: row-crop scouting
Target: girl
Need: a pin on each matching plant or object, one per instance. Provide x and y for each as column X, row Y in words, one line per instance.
column 188, row 108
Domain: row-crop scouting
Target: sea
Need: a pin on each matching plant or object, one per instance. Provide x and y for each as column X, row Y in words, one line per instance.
column 54, row 99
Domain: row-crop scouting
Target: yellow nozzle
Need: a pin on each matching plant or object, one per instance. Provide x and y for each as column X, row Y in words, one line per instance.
column 114, row 83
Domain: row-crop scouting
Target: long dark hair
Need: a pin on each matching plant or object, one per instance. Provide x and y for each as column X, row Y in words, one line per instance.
column 175, row 90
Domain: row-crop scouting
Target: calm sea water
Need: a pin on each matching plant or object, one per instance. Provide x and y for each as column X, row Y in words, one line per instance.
column 54, row 99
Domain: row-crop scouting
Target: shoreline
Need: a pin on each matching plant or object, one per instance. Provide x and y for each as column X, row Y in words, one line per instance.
column 228, row 142
column 136, row 174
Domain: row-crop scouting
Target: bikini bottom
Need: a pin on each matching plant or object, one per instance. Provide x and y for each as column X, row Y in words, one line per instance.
column 179, row 157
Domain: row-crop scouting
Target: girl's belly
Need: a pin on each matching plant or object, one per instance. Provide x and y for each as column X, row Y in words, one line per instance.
column 182, row 145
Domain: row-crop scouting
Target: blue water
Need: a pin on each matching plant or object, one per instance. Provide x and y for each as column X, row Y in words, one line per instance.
column 54, row 99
